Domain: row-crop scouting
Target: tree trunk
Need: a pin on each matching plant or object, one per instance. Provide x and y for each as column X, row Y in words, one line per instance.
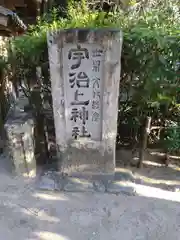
column 146, row 132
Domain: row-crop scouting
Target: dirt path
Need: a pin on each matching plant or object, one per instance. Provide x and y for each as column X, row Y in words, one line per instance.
column 78, row 216
column 29, row 214
column 154, row 172
column 26, row 213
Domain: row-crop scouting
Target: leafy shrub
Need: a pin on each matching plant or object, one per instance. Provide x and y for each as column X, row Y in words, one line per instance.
column 172, row 137
column 150, row 55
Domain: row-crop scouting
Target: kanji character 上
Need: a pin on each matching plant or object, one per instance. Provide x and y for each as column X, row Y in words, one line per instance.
column 76, row 99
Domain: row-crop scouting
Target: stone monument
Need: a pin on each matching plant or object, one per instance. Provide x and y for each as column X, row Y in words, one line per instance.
column 85, row 69
column 19, row 131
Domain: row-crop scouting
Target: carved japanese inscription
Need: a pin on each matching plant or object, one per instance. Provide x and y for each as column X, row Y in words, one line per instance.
column 82, row 67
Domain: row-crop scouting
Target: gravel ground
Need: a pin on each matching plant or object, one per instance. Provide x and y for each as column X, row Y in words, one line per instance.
column 26, row 213
column 30, row 214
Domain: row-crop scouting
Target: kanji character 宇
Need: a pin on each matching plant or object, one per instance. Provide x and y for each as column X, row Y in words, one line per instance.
column 78, row 54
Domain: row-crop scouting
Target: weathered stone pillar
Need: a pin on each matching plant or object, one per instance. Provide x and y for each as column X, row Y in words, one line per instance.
column 19, row 130
column 85, row 73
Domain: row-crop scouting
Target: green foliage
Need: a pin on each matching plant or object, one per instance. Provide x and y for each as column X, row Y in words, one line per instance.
column 150, row 56
column 3, row 64
column 152, row 26
column 172, row 137
column 3, row 68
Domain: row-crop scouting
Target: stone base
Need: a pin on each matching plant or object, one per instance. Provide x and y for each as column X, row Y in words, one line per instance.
column 53, row 181
column 92, row 176
column 87, row 160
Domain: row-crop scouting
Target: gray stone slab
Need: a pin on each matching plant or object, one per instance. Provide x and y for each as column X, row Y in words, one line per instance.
column 50, row 181
column 99, row 186
column 124, row 176
column 119, row 187
column 85, row 67
column 46, row 183
column 78, row 185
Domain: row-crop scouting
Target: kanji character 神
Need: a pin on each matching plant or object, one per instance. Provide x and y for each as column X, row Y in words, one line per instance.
column 79, row 114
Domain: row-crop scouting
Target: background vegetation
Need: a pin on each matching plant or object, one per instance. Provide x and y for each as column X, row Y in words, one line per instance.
column 150, row 62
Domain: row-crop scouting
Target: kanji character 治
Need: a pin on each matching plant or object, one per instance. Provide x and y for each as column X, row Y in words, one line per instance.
column 72, row 79
column 82, row 80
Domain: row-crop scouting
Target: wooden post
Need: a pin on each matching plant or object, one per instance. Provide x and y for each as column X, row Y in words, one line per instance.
column 1, row 130
column 44, row 124
column 146, row 132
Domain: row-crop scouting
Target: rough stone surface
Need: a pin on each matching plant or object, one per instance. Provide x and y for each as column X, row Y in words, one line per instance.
column 39, row 215
column 87, row 157
column 120, row 187
column 50, row 181
column 26, row 213
column 78, row 185
column 99, row 186
column 53, row 181
column 46, row 183
column 19, row 130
